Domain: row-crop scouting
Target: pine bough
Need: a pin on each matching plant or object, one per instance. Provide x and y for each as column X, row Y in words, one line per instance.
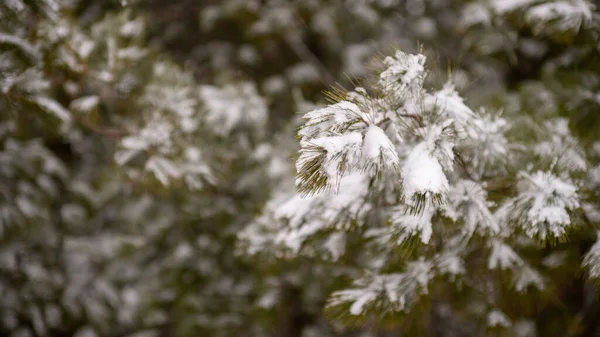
column 430, row 190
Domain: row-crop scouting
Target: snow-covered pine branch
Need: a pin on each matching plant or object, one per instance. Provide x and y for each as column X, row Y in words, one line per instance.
column 405, row 129
column 428, row 165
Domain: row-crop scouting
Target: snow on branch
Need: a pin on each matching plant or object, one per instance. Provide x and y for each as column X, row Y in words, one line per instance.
column 386, row 292
column 449, row 104
column 468, row 201
column 591, row 260
column 423, row 177
column 561, row 149
column 302, row 217
column 543, row 204
column 233, row 106
column 503, row 257
column 164, row 139
column 561, row 16
column 404, row 72
column 23, row 45
column 52, row 107
column 364, row 132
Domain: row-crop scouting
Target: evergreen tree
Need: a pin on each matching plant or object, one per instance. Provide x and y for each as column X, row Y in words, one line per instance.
column 148, row 185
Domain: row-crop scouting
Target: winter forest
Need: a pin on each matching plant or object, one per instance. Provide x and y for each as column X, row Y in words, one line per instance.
column 299, row 168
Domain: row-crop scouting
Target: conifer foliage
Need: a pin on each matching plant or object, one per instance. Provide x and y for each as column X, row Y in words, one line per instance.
column 410, row 174
column 174, row 168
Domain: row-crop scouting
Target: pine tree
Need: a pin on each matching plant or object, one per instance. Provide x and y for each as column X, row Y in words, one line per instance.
column 148, row 185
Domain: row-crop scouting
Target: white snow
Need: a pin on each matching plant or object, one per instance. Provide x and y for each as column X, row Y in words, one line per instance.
column 334, row 145
column 156, row 133
column 275, row 84
column 448, row 103
column 476, row 13
column 52, row 107
column 22, row 44
column 488, row 147
column 233, row 105
column 303, row 73
column 565, row 14
column 450, row 263
column 328, row 119
column 85, row 104
column 163, row 169
column 592, row 260
column 440, row 140
column 378, row 150
column 336, row 245
column 468, row 200
column 305, row 216
column 398, row 291
column 503, row 257
column 593, row 176
column 343, row 148
column 561, row 148
column 403, row 71
column 423, row 174
column 506, row 6
column 526, row 277
column 550, row 197
column 406, row 224
column 497, row 318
